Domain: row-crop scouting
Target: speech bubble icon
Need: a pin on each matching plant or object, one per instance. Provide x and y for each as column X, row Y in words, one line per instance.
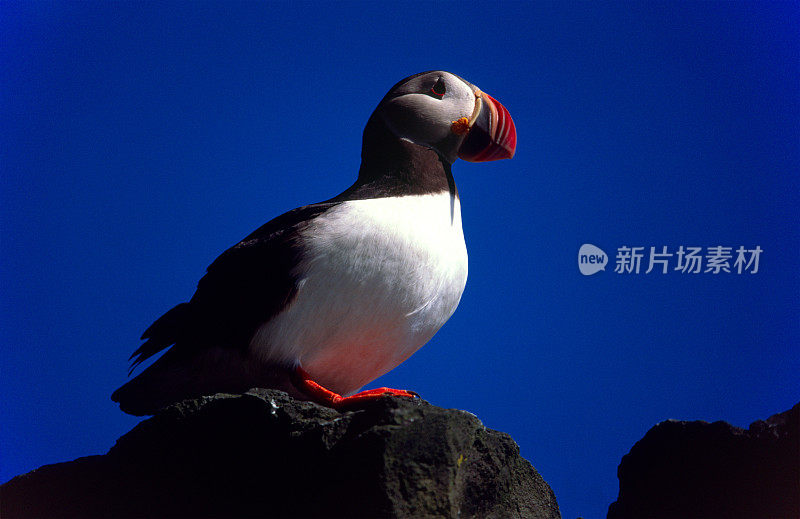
column 591, row 259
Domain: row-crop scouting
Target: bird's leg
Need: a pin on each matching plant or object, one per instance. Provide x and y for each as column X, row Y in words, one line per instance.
column 322, row 395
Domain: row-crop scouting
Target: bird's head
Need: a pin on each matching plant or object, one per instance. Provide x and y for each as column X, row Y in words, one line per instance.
column 444, row 112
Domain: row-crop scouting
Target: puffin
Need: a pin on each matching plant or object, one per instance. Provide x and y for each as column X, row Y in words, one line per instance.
column 324, row 299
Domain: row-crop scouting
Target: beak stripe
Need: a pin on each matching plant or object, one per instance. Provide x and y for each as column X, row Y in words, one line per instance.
column 492, row 135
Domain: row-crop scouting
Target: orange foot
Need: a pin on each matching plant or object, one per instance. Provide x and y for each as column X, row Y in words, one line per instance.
column 325, row 396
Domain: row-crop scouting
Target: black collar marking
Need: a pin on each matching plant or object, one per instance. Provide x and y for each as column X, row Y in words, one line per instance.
column 254, row 280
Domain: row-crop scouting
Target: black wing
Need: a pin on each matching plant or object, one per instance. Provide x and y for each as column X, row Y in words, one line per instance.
column 243, row 288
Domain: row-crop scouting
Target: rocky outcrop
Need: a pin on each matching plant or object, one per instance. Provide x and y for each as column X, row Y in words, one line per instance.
column 710, row 470
column 264, row 454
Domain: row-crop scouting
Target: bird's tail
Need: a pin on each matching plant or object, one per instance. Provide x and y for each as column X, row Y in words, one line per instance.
column 175, row 377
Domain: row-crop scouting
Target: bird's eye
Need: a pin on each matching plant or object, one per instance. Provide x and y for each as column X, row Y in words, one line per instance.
column 438, row 89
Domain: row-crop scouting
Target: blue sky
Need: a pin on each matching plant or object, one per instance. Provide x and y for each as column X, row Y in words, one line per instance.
column 142, row 139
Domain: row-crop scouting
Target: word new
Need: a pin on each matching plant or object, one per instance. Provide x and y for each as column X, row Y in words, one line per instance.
column 591, row 259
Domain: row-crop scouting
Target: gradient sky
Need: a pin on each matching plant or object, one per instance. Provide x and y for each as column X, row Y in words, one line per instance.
column 138, row 140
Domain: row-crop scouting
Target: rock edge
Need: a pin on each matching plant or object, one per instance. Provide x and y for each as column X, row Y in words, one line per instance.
column 264, row 454
column 713, row 470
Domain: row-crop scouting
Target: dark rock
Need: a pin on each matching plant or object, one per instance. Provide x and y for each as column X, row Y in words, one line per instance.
column 264, row 454
column 710, row 470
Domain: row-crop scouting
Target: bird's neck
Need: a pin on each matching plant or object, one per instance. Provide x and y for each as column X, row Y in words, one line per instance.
column 391, row 166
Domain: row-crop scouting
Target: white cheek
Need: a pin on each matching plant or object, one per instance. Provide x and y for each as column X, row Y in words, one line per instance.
column 425, row 119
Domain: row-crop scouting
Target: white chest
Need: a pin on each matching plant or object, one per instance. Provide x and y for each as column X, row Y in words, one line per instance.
column 379, row 278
